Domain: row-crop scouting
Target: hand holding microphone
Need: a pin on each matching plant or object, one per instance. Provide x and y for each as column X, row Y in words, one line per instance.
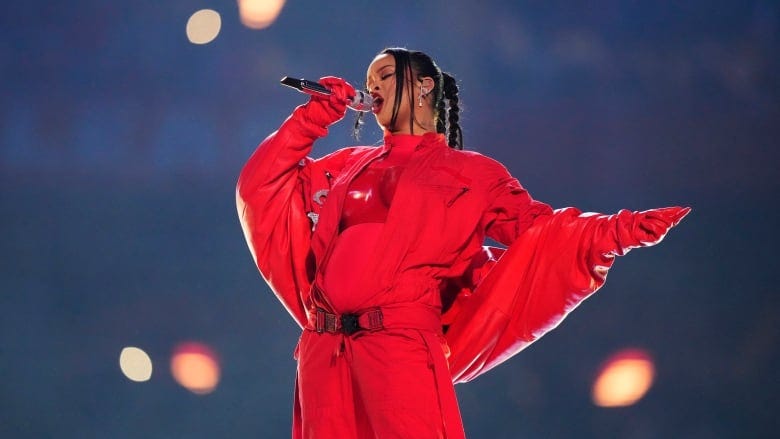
column 329, row 98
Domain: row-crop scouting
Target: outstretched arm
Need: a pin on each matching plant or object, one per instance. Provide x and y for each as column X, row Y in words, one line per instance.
column 550, row 267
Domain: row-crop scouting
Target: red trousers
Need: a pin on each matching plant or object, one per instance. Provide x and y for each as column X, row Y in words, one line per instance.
column 391, row 383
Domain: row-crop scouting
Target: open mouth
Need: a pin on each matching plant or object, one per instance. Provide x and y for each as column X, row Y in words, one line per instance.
column 376, row 106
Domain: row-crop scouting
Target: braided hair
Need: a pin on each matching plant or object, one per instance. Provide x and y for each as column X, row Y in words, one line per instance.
column 445, row 93
column 454, row 133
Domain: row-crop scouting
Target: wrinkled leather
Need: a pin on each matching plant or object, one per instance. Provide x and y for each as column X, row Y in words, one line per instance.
column 532, row 286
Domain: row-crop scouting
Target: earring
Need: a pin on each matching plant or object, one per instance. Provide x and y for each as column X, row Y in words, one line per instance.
column 423, row 92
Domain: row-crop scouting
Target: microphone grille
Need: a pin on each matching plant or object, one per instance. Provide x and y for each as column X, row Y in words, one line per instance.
column 362, row 101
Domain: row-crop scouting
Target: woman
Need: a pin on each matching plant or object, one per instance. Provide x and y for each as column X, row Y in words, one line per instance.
column 377, row 253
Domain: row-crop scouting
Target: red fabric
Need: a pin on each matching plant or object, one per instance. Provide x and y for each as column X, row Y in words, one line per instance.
column 429, row 250
column 390, row 383
column 323, row 111
column 366, row 206
column 351, row 254
column 369, row 195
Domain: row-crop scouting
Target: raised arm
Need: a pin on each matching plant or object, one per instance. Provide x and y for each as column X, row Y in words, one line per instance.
column 270, row 196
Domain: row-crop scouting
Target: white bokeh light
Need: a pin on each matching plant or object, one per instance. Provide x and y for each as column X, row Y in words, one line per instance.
column 203, row 26
column 135, row 364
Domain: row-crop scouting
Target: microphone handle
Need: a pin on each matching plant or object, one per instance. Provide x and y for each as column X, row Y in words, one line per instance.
column 306, row 86
column 360, row 102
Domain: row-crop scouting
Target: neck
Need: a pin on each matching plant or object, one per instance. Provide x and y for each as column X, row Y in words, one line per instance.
column 417, row 128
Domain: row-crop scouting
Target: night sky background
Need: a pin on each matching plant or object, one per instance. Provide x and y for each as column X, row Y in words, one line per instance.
column 120, row 145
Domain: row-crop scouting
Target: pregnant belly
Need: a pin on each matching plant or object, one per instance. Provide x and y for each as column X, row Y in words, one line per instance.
column 347, row 265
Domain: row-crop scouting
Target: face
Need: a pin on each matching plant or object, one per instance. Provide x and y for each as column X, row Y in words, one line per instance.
column 380, row 82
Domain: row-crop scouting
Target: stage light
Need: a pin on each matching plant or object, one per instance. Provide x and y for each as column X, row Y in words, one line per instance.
column 135, row 364
column 624, row 379
column 203, row 26
column 259, row 14
column 195, row 367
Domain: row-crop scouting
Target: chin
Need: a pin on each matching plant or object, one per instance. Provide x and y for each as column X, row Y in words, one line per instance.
column 384, row 124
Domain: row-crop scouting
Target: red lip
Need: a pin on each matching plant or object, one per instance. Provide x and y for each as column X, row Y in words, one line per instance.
column 376, row 107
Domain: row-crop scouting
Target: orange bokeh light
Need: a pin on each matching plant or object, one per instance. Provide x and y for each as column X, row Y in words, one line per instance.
column 259, row 14
column 195, row 366
column 624, row 379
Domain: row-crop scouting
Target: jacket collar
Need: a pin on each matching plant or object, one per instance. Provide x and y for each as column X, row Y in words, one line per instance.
column 426, row 140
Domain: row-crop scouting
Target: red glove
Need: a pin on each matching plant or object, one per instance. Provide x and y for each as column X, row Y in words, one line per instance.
column 324, row 111
column 626, row 230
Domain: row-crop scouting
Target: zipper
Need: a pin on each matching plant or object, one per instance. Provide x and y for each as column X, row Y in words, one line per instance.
column 463, row 190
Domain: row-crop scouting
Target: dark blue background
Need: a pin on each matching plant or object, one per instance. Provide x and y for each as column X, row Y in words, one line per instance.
column 120, row 144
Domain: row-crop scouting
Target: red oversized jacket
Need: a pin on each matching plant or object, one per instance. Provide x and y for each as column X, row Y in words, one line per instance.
column 447, row 201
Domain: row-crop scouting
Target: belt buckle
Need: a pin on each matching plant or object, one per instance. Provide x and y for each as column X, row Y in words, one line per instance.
column 349, row 324
column 375, row 320
column 325, row 322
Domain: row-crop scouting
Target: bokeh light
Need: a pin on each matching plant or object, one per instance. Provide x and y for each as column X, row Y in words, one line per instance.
column 203, row 26
column 624, row 379
column 259, row 14
column 135, row 364
column 195, row 366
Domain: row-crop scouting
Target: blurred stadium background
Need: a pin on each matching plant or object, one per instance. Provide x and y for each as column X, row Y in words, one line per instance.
column 123, row 126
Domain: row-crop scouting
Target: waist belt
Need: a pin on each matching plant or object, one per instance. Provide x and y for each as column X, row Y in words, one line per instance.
column 395, row 316
column 348, row 324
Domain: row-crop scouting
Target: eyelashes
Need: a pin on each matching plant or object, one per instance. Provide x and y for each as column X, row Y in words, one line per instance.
column 383, row 77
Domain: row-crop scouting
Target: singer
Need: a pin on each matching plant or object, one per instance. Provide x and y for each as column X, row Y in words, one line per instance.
column 377, row 253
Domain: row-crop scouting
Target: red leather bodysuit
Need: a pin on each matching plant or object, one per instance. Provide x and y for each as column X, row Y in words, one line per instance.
column 363, row 216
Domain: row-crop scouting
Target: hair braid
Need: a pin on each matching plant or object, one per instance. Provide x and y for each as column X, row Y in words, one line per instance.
column 441, row 115
column 454, row 133
column 415, row 65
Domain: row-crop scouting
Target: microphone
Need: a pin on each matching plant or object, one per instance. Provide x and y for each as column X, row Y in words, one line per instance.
column 362, row 101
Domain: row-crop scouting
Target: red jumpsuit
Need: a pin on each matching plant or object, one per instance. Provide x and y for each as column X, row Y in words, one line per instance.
column 420, row 262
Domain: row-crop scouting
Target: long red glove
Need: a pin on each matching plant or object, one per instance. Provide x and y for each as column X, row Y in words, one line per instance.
column 626, row 230
column 324, row 111
column 545, row 274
